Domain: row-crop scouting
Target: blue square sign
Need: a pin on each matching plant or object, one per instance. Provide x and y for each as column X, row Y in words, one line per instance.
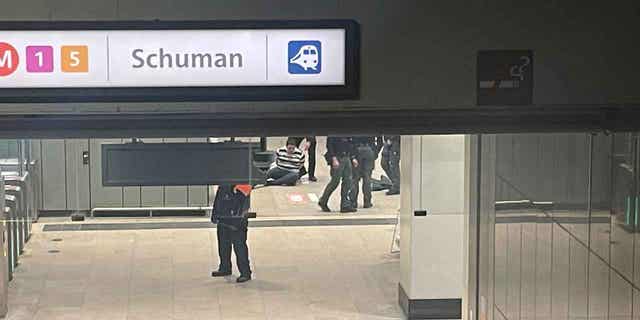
column 305, row 57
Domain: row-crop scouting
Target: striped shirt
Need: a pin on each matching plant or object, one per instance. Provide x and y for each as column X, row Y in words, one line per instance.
column 290, row 162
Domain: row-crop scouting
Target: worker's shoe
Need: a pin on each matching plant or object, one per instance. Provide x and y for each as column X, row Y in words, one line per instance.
column 313, row 179
column 368, row 205
column 348, row 210
column 324, row 207
column 393, row 192
column 242, row 279
column 220, row 273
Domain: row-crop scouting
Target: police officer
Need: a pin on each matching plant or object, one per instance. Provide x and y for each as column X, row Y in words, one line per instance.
column 341, row 156
column 391, row 162
column 229, row 212
column 367, row 150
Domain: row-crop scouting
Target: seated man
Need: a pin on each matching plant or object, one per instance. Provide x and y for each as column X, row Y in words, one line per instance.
column 285, row 171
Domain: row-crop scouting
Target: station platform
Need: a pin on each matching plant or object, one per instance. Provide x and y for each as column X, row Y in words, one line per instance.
column 302, row 272
column 302, row 199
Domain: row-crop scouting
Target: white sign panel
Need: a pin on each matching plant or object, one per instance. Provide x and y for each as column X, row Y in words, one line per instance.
column 172, row 58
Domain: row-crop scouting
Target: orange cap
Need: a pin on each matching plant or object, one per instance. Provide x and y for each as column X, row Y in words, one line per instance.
column 244, row 188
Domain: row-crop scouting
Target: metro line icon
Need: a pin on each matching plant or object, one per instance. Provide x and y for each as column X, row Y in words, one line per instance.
column 305, row 57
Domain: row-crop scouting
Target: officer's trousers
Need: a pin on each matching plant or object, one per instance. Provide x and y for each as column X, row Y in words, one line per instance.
column 391, row 165
column 228, row 238
column 343, row 172
column 366, row 163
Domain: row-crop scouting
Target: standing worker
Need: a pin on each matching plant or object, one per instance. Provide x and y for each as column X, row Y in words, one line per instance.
column 309, row 146
column 391, row 162
column 367, row 150
column 230, row 214
column 341, row 156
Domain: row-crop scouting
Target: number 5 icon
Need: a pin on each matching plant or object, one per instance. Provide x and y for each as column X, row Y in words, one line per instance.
column 75, row 58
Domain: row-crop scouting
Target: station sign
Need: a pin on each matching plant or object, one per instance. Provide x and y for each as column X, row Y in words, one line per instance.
column 178, row 61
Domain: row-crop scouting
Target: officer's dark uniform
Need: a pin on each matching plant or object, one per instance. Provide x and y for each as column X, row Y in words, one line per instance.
column 391, row 162
column 311, row 152
column 342, row 149
column 229, row 212
column 367, row 150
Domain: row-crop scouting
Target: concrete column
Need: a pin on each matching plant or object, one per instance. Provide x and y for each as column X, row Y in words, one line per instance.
column 432, row 257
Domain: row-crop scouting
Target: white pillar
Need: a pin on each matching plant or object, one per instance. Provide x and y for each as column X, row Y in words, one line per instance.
column 432, row 262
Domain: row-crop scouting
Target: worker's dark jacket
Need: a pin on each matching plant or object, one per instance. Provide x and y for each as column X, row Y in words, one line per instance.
column 394, row 146
column 340, row 147
column 376, row 143
column 229, row 208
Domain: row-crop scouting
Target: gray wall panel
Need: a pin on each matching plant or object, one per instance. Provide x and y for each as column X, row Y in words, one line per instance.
column 152, row 196
column 68, row 10
column 26, row 10
column 102, row 196
column 197, row 195
column 175, row 196
column 131, row 196
column 77, row 174
column 53, row 175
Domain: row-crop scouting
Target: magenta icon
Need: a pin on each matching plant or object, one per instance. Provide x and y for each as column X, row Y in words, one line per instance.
column 39, row 59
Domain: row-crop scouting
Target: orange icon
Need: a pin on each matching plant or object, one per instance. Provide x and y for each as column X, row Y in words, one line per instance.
column 75, row 59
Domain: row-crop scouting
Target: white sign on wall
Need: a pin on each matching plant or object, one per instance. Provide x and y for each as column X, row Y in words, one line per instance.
column 172, row 58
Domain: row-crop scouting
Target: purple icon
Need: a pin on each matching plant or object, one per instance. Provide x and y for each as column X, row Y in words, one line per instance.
column 39, row 59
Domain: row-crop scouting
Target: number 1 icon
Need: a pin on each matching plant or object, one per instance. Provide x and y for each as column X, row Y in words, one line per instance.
column 39, row 59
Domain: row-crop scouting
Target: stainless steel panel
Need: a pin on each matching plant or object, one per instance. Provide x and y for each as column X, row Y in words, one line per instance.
column 575, row 161
column 636, row 304
column 578, row 281
column 560, row 273
column 36, row 154
column 544, row 257
column 101, row 196
column 77, row 174
column 528, row 269
column 501, row 284
column 4, row 268
column 514, row 270
column 54, row 191
column 598, row 288
column 620, row 299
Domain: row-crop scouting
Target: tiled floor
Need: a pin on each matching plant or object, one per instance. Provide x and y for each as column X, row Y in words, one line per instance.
column 300, row 273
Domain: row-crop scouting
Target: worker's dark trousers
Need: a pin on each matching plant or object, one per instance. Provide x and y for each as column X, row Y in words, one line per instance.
column 238, row 239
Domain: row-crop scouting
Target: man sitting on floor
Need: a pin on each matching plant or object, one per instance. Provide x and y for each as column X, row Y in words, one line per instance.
column 285, row 171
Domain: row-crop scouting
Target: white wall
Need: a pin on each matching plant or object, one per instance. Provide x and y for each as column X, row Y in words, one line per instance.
column 432, row 250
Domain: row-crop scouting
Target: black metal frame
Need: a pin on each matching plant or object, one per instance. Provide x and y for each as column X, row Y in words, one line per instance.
column 350, row 90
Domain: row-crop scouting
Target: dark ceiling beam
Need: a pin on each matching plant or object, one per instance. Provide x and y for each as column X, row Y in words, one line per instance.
column 365, row 121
